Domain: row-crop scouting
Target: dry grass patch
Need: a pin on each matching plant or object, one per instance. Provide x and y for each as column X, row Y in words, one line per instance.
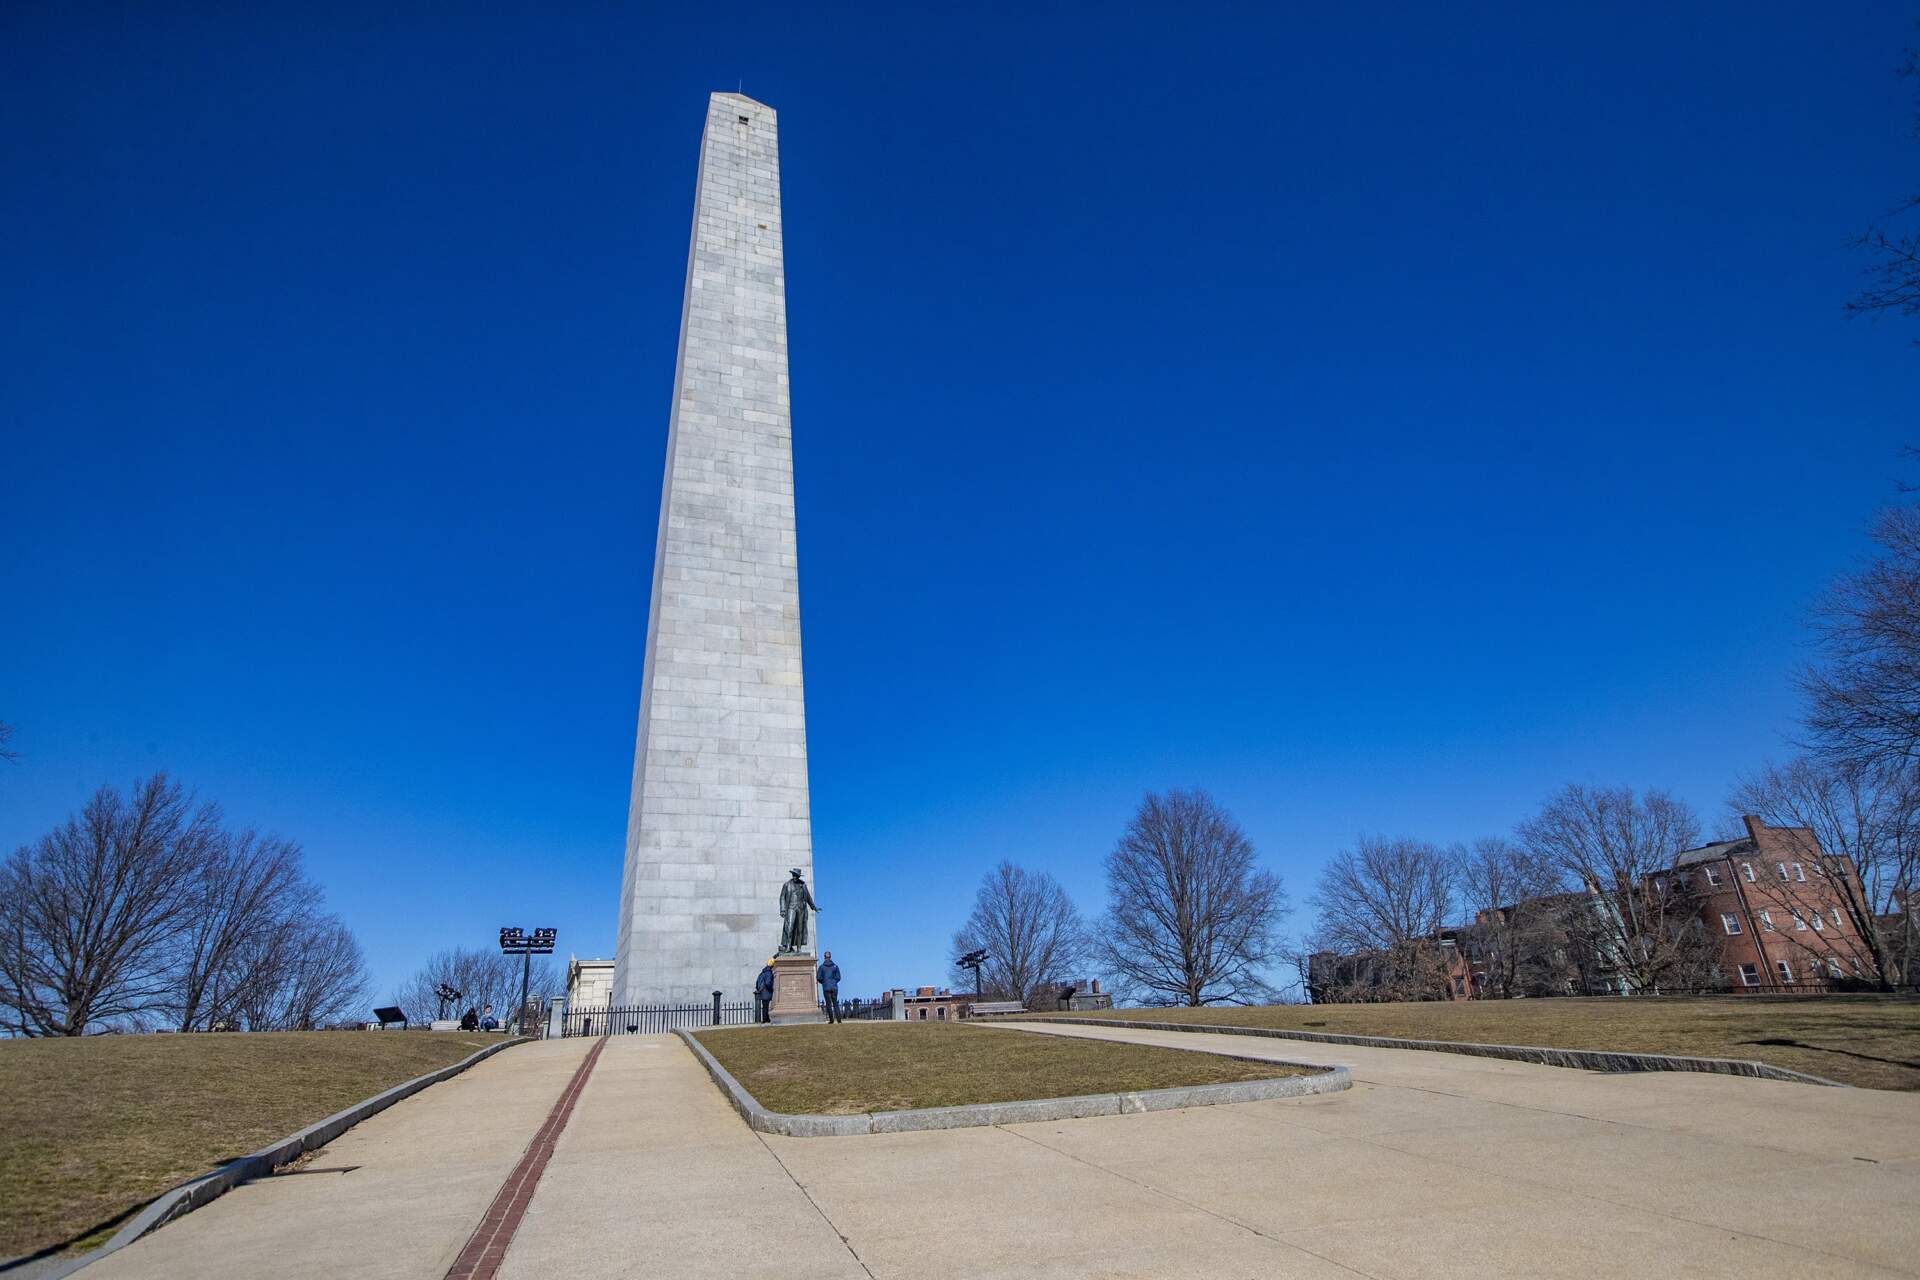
column 1871, row 1041
column 856, row 1068
column 93, row 1126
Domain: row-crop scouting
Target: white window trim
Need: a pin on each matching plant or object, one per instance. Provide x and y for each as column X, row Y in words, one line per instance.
column 1766, row 921
column 1746, row 869
column 1713, row 876
column 1730, row 922
column 1749, row 975
column 1786, row 971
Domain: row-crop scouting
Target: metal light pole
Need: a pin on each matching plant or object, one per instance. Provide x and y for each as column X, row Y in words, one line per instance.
column 517, row 942
column 973, row 960
column 447, row 996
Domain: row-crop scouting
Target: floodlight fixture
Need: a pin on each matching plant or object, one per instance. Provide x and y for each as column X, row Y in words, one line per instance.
column 518, row 942
column 973, row 960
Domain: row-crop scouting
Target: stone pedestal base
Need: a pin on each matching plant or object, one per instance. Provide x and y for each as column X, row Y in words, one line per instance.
column 793, row 998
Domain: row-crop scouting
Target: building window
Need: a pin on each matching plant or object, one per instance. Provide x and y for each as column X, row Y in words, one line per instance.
column 940, row 1014
column 1786, row 971
column 923, row 1015
column 1836, row 917
column 1799, row 922
column 1766, row 921
column 1729, row 922
column 1746, row 869
column 1749, row 975
column 1833, row 967
column 1819, row 925
column 1799, row 872
column 1781, row 867
column 1713, row 875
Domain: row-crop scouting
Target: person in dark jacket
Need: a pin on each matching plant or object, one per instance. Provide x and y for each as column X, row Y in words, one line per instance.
column 763, row 992
column 470, row 1020
column 829, row 975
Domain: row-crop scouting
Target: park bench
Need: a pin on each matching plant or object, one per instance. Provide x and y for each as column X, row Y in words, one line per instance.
column 990, row 1008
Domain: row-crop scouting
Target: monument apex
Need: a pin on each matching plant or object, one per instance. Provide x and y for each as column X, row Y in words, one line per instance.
column 719, row 811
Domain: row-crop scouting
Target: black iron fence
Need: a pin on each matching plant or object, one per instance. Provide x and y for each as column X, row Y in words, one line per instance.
column 651, row 1019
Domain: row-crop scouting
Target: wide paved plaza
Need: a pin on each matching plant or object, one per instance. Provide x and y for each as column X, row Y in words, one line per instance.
column 1433, row 1165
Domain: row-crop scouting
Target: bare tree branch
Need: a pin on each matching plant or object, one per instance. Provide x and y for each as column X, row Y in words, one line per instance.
column 1381, row 907
column 1029, row 928
column 1189, row 921
column 1613, row 843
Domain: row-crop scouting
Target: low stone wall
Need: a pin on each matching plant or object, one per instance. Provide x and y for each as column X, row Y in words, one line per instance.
column 1324, row 1080
column 1582, row 1059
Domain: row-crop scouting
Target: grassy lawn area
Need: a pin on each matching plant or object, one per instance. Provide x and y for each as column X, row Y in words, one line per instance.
column 93, row 1126
column 1872, row 1041
column 858, row 1067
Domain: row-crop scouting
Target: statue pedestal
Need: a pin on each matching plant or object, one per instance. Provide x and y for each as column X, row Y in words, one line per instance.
column 793, row 990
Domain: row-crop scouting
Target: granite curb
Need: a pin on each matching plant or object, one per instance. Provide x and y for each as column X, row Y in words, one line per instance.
column 1606, row 1060
column 208, row 1187
column 1325, row 1080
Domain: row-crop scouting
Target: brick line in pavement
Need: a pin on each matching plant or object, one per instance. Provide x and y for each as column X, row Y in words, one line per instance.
column 488, row 1244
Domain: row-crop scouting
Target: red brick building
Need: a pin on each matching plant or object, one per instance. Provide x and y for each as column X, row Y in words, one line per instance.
column 1779, row 913
column 1780, row 908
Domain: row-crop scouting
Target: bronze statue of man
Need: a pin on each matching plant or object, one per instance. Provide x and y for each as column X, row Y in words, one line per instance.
column 795, row 902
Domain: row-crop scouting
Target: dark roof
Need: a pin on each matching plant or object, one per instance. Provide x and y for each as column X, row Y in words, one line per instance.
column 1713, row 852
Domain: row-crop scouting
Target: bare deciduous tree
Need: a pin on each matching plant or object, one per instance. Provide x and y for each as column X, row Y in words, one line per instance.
column 248, row 890
column 7, row 750
column 481, row 977
column 1613, row 843
column 1867, row 816
column 89, row 909
column 322, row 983
column 1512, row 896
column 144, row 910
column 1381, row 907
column 1864, row 697
column 1893, row 282
column 1189, row 920
column 1029, row 928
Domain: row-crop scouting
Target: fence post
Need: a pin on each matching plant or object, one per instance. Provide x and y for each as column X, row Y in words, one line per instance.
column 716, row 1008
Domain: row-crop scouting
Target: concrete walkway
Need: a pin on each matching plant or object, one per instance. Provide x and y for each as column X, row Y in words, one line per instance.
column 421, row 1176
column 1433, row 1165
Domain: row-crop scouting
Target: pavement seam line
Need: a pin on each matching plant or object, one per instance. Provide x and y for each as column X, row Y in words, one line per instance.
column 487, row 1247
column 1197, row 1208
column 845, row 1242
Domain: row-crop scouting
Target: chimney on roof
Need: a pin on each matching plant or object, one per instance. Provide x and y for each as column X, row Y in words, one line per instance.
column 1754, row 827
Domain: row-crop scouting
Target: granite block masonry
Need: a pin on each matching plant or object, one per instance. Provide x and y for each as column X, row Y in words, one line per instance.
column 719, row 812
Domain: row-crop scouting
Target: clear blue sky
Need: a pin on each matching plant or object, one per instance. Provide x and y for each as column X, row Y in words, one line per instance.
column 1379, row 420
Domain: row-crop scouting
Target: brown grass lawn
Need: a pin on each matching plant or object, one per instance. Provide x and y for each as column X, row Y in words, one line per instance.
column 880, row 1066
column 90, row 1127
column 1872, row 1041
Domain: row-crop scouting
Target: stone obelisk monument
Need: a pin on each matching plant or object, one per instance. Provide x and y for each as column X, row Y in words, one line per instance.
column 719, row 813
